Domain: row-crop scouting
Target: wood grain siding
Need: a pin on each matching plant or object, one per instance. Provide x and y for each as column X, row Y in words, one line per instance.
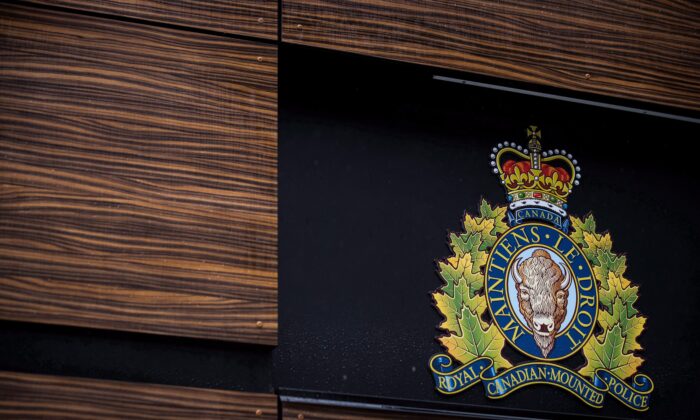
column 138, row 178
column 256, row 18
column 28, row 396
column 638, row 49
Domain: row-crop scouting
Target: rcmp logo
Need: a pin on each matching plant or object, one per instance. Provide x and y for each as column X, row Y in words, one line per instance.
column 530, row 276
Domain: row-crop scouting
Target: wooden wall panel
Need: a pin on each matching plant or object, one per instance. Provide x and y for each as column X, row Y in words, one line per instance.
column 256, row 18
column 28, row 396
column 639, row 49
column 138, row 178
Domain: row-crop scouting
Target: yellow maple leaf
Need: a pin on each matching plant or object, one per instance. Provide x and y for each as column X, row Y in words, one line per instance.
column 462, row 267
column 449, row 307
column 580, row 226
column 481, row 225
column 477, row 304
column 609, row 354
column 475, row 341
column 498, row 215
column 618, row 286
column 460, row 289
column 617, row 283
column 622, row 325
column 593, row 243
column 596, row 241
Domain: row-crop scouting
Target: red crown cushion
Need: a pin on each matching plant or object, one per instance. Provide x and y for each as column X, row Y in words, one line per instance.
column 524, row 166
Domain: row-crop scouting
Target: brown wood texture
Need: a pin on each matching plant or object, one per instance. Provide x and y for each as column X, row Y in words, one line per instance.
column 256, row 18
column 637, row 49
column 138, row 178
column 29, row 396
column 304, row 411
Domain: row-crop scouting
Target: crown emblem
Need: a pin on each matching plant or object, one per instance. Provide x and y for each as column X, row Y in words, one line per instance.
column 518, row 279
column 538, row 182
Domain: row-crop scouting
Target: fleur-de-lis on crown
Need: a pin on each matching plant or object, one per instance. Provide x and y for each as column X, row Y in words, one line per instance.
column 533, row 177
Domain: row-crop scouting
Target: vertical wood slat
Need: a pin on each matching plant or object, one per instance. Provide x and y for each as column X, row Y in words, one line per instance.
column 29, row 396
column 138, row 178
column 255, row 18
column 643, row 50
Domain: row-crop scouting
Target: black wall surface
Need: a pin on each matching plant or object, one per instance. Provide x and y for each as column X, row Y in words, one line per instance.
column 377, row 163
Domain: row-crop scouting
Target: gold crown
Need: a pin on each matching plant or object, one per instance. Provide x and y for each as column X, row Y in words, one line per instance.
column 533, row 177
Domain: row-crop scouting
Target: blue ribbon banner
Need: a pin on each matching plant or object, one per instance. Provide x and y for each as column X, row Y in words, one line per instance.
column 451, row 380
column 524, row 214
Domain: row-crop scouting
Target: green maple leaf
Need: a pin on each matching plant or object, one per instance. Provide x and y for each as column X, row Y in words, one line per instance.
column 597, row 249
column 581, row 226
column 498, row 215
column 460, row 288
column 631, row 326
column 475, row 341
column 450, row 305
column 608, row 262
column 612, row 262
column 477, row 305
column 621, row 322
column 469, row 244
column 482, row 226
column 458, row 269
column 592, row 243
column 465, row 243
column 609, row 354
column 459, row 301
column 619, row 287
column 628, row 297
column 451, row 301
column 450, row 275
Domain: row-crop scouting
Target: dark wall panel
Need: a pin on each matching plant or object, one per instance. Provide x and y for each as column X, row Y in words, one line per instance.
column 642, row 50
column 138, row 178
column 30, row 396
column 257, row 18
column 307, row 411
column 379, row 162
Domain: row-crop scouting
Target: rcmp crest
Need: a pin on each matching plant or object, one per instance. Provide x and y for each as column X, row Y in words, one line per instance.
column 530, row 276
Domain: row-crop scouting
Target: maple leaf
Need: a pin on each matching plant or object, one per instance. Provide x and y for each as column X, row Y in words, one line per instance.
column 451, row 271
column 449, row 307
column 621, row 322
column 481, row 225
column 631, row 326
column 477, row 305
column 609, row 354
column 460, row 268
column 460, row 288
column 597, row 249
column 498, row 215
column 612, row 262
column 459, row 300
column 581, row 226
column 608, row 263
column 594, row 242
column 475, row 341
column 619, row 286
column 465, row 243
column 469, row 243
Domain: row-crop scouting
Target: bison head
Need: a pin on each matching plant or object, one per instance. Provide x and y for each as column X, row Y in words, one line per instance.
column 542, row 287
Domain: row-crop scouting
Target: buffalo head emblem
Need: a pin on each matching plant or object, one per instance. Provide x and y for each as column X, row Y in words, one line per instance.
column 542, row 287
